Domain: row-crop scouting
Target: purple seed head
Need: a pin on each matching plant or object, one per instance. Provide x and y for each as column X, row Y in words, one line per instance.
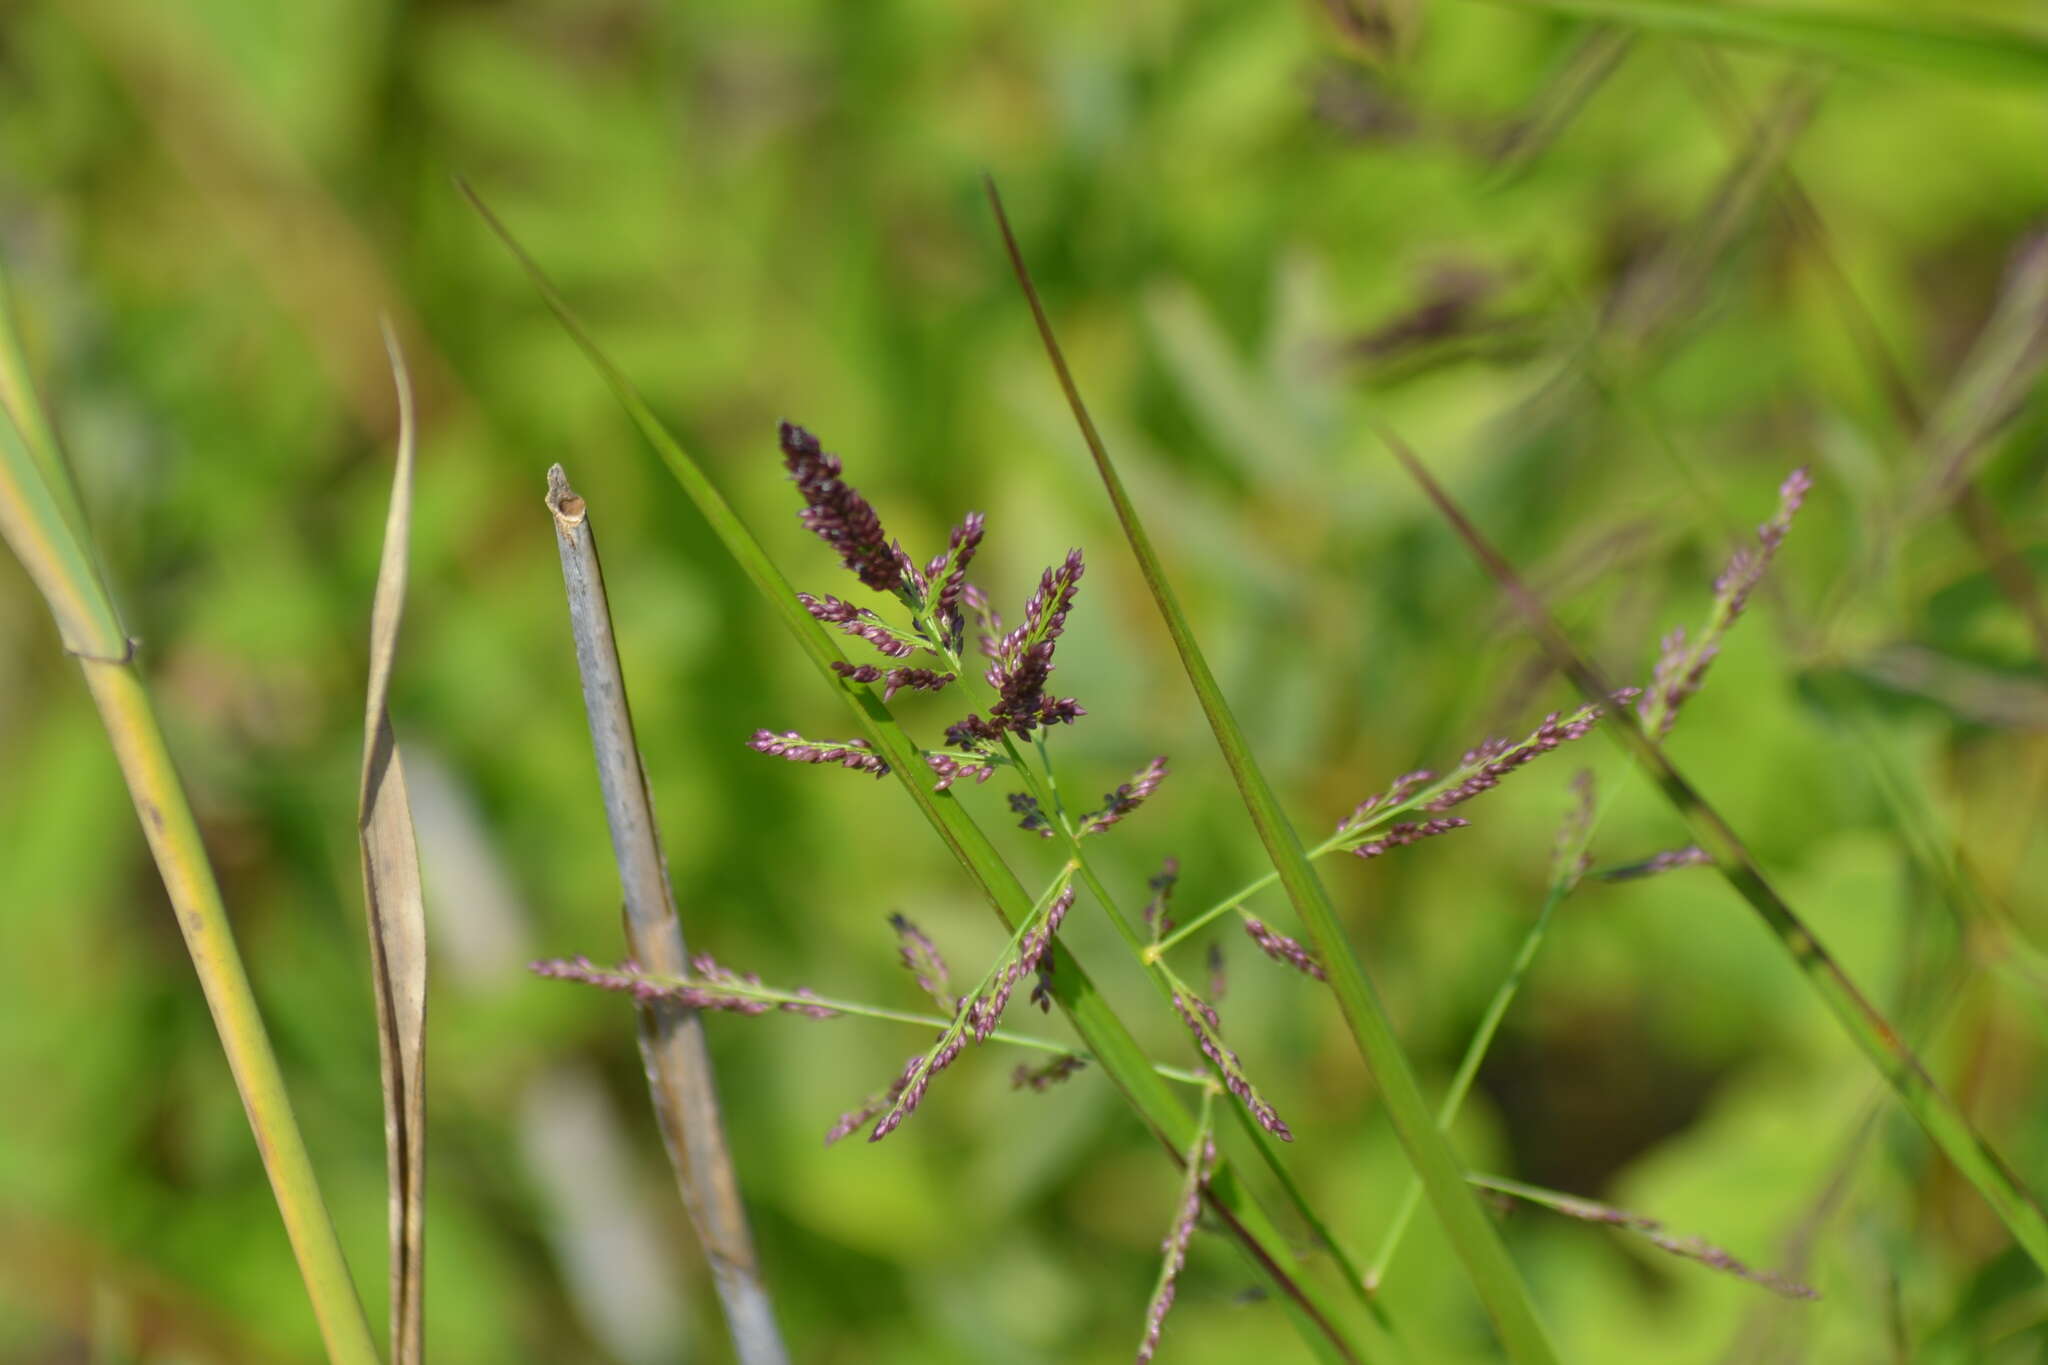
column 837, row 514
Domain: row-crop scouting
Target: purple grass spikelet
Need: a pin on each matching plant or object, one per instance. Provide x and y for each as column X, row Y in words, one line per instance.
column 973, row 732
column 858, row 622
column 950, row 768
column 1024, row 657
column 1126, row 798
column 1682, row 668
column 1397, row 836
column 1162, row 884
column 893, row 680
column 1670, row 860
column 837, row 514
column 1219, row 975
column 847, row 753
column 1040, row 1079
column 948, row 573
column 1032, row 820
column 1281, row 948
column 924, row 961
column 711, row 987
column 1200, row 1163
column 988, row 623
column 1482, row 769
column 854, row 1118
column 1394, row 796
column 1573, row 854
column 1200, row 1017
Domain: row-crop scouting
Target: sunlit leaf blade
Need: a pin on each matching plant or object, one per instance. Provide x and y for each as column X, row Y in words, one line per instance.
column 1902, row 39
column 1950, row 1129
column 1493, row 1274
column 396, row 912
column 1122, row 1060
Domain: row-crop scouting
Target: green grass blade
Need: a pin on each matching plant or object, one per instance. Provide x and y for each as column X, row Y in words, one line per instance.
column 1121, row 1059
column 1472, row 1235
column 1950, row 1129
column 40, row 522
column 1970, row 51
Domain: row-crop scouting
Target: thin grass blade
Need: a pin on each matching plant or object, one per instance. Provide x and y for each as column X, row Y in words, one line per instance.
column 1952, row 48
column 1950, row 1129
column 396, row 911
column 1493, row 1274
column 1125, row 1063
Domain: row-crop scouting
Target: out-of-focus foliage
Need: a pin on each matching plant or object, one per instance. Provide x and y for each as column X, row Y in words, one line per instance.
column 1556, row 257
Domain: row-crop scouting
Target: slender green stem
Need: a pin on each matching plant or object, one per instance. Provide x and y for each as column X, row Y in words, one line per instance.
column 1564, row 880
column 1473, row 1236
column 1234, row 901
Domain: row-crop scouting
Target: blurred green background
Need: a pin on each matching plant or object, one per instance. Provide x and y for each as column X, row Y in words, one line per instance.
column 1570, row 264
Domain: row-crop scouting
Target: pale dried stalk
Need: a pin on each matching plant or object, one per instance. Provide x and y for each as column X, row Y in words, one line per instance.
column 671, row 1036
column 396, row 912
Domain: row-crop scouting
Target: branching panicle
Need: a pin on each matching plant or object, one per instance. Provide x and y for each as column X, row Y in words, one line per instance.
column 978, row 1014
